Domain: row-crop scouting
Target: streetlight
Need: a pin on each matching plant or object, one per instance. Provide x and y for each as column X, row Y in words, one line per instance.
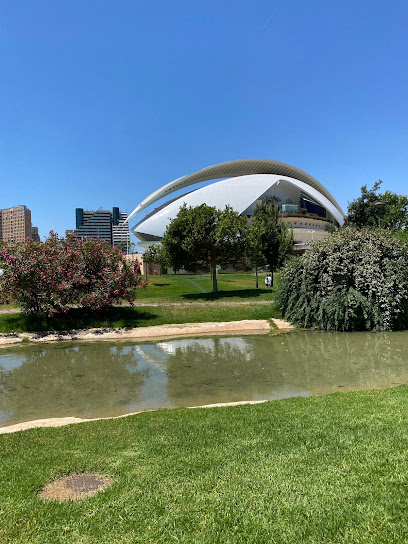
column 311, row 232
column 379, row 205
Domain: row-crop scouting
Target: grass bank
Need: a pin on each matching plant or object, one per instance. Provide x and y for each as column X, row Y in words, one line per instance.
column 198, row 288
column 135, row 317
column 316, row 470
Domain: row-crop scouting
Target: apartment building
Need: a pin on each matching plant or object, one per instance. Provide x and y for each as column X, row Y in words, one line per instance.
column 15, row 224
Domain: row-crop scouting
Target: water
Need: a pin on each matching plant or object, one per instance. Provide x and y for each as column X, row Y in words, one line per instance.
column 108, row 379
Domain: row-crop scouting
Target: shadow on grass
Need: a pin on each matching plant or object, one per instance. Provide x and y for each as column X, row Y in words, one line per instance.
column 76, row 318
column 238, row 293
column 161, row 284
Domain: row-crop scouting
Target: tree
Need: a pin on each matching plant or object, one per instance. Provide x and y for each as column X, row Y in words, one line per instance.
column 270, row 241
column 203, row 235
column 155, row 254
column 363, row 212
column 49, row 277
column 352, row 280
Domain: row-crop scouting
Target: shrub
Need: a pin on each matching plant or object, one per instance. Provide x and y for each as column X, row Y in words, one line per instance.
column 49, row 277
column 352, row 280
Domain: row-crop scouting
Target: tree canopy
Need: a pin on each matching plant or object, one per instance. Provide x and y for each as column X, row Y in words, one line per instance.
column 203, row 235
column 363, row 211
column 270, row 241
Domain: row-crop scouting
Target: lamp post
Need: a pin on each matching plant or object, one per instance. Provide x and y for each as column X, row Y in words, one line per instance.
column 311, row 232
column 379, row 205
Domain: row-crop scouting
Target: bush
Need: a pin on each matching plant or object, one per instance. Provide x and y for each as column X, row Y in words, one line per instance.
column 48, row 277
column 352, row 280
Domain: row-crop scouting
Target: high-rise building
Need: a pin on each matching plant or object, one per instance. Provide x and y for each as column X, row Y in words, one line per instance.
column 15, row 224
column 120, row 230
column 34, row 234
column 106, row 225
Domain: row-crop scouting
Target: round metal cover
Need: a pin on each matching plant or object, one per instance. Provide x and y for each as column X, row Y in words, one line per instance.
column 75, row 487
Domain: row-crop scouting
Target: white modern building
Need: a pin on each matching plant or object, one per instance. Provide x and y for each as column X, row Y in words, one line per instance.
column 303, row 202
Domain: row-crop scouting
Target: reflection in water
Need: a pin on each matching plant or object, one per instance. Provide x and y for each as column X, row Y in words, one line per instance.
column 95, row 380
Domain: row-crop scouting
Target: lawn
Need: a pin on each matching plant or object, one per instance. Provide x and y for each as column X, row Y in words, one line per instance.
column 196, row 288
column 136, row 317
column 329, row 469
column 164, row 289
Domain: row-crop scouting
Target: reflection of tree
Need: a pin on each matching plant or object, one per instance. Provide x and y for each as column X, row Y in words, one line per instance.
column 89, row 380
column 299, row 363
column 92, row 380
column 211, row 370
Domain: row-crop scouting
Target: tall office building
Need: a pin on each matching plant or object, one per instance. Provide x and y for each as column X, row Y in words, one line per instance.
column 106, row 225
column 120, row 230
column 15, row 224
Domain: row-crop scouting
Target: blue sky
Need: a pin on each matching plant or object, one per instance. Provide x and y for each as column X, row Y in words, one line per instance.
column 103, row 102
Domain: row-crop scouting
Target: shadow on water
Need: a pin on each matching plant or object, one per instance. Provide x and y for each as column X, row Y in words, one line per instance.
column 240, row 293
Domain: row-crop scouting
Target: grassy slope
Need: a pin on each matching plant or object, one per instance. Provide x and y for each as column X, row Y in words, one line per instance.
column 136, row 317
column 162, row 289
column 324, row 469
column 198, row 288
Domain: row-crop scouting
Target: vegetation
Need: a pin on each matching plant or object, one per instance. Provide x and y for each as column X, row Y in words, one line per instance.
column 352, row 280
column 77, row 318
column 203, row 235
column 364, row 212
column 155, row 254
column 47, row 278
column 316, row 470
column 270, row 241
column 237, row 286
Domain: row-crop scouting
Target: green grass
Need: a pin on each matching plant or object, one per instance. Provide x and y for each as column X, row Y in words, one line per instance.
column 195, row 288
column 136, row 317
column 330, row 469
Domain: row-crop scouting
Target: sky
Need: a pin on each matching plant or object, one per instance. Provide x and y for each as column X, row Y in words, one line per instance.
column 103, row 102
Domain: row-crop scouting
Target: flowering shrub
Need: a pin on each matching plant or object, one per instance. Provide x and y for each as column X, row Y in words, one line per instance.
column 352, row 280
column 49, row 277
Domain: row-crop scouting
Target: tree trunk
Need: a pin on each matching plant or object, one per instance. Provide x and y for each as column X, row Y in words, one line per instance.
column 271, row 277
column 256, row 275
column 214, row 278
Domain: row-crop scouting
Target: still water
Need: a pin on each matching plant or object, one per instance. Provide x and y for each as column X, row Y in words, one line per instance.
column 108, row 379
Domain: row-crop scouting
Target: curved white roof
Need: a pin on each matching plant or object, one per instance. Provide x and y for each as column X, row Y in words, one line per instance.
column 235, row 169
column 239, row 193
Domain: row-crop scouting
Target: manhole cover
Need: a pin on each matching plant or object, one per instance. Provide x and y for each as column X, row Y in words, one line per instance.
column 75, row 487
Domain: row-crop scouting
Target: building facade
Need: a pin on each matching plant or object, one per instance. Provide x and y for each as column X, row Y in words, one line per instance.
column 303, row 202
column 15, row 224
column 109, row 226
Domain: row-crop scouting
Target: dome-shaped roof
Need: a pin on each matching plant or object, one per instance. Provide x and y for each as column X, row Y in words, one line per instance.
column 233, row 169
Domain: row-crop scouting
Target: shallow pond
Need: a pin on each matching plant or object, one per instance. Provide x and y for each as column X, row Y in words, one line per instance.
column 108, row 379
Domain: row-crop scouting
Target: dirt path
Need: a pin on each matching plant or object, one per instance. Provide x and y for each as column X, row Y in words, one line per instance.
column 247, row 326
column 164, row 304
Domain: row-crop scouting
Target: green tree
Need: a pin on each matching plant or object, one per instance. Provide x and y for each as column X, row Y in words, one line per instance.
column 363, row 212
column 203, row 235
column 395, row 213
column 270, row 240
column 155, row 254
column 355, row 279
